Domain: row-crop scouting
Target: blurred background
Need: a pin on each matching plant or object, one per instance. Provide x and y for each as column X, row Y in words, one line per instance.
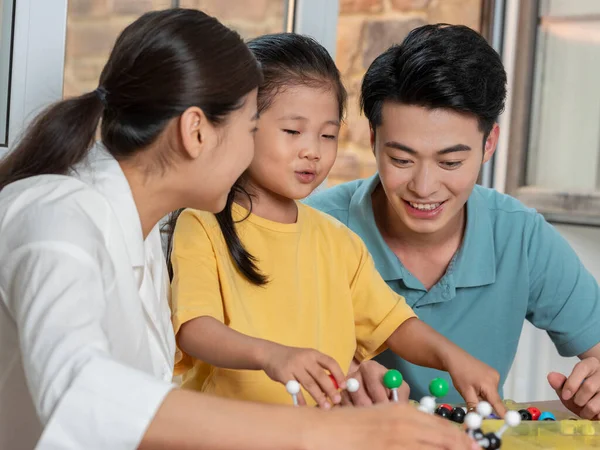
column 549, row 152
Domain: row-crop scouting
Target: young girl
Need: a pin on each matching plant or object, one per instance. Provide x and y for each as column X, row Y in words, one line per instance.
column 272, row 290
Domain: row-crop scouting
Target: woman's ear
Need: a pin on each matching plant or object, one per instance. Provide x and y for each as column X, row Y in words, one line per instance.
column 196, row 132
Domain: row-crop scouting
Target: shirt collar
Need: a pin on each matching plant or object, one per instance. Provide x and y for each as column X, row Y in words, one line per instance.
column 102, row 171
column 362, row 222
column 474, row 263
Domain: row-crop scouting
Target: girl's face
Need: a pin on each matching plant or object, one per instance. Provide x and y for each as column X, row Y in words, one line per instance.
column 296, row 142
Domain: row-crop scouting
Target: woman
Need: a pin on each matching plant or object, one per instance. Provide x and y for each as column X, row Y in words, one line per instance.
column 86, row 346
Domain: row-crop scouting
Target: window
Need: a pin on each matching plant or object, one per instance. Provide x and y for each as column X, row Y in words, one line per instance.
column 554, row 143
column 366, row 28
column 7, row 8
column 93, row 26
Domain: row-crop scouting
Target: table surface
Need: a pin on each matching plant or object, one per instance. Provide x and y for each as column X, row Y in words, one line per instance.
column 564, row 434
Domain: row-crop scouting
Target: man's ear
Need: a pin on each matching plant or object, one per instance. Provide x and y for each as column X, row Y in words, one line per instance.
column 491, row 143
column 196, row 132
column 372, row 138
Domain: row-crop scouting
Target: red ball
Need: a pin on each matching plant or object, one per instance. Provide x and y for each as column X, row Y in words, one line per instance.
column 535, row 413
column 336, row 385
column 447, row 406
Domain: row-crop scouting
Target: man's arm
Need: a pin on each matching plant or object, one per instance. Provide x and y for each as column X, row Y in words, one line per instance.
column 593, row 352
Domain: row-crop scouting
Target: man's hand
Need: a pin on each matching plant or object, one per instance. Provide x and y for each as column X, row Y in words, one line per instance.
column 580, row 392
column 370, row 376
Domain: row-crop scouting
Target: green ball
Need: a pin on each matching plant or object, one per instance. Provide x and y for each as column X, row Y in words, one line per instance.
column 438, row 387
column 392, row 379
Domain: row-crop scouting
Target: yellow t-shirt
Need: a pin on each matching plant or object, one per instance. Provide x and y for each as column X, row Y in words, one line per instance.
column 323, row 293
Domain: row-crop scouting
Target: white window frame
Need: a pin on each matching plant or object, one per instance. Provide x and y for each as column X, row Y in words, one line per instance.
column 558, row 206
column 38, row 59
column 7, row 14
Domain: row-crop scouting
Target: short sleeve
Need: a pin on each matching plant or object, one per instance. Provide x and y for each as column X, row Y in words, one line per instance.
column 195, row 287
column 564, row 297
column 378, row 310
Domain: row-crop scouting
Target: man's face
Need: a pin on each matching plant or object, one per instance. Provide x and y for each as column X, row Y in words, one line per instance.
column 428, row 162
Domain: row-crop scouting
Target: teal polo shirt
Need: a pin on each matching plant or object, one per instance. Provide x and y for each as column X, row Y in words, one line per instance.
column 512, row 266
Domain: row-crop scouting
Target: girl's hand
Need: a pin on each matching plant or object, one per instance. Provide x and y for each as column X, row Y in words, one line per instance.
column 308, row 367
column 475, row 381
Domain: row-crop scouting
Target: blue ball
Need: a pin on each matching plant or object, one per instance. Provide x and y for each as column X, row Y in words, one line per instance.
column 547, row 416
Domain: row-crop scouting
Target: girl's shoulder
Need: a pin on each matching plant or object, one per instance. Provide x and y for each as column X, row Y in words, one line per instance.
column 329, row 227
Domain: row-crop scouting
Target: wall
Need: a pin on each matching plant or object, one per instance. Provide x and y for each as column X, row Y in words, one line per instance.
column 365, row 29
column 93, row 26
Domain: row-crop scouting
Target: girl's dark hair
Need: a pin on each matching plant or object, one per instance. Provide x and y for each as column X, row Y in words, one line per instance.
column 161, row 64
column 286, row 59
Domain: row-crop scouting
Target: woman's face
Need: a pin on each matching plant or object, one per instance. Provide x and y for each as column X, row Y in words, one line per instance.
column 225, row 153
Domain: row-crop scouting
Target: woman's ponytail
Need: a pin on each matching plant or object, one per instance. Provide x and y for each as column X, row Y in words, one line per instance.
column 58, row 138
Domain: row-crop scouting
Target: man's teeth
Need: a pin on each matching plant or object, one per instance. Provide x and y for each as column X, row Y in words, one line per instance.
column 424, row 206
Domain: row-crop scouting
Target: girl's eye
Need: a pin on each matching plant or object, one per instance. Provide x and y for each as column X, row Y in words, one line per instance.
column 330, row 136
column 292, row 132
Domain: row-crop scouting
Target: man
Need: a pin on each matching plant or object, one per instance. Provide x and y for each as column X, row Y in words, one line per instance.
column 473, row 263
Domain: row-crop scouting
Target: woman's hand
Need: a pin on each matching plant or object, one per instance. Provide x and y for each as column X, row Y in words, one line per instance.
column 386, row 427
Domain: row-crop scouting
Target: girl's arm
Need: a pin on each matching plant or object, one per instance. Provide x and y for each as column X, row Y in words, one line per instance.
column 209, row 340
column 418, row 343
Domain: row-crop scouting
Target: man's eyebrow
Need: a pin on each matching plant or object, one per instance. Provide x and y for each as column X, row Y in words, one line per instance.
column 444, row 151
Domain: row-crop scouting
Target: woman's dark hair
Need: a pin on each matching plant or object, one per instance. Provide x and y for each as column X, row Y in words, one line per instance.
column 161, row 64
column 438, row 66
column 286, row 59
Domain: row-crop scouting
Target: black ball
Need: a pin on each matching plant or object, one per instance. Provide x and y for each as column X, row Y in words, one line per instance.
column 478, row 434
column 443, row 412
column 494, row 441
column 458, row 415
column 525, row 415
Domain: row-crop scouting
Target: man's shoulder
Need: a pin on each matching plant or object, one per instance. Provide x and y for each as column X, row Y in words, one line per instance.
column 501, row 206
column 335, row 200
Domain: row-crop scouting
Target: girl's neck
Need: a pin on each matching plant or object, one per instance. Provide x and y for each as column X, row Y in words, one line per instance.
column 268, row 205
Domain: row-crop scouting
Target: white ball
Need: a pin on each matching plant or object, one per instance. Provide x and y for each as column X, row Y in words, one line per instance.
column 424, row 409
column 428, row 404
column 512, row 418
column 352, row 385
column 293, row 387
column 473, row 421
column 484, row 409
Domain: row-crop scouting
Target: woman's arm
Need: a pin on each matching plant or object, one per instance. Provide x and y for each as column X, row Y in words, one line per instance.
column 189, row 420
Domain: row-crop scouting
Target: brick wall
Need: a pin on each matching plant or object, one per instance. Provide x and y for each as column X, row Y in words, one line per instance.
column 365, row 29
column 93, row 26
